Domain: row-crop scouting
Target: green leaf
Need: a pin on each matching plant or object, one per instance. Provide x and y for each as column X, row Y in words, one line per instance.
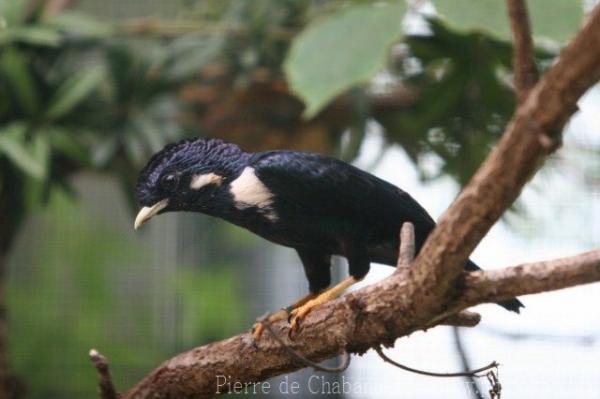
column 29, row 156
column 36, row 35
column 63, row 141
column 73, row 91
column 13, row 11
column 14, row 66
column 341, row 51
column 80, row 24
column 190, row 53
column 557, row 19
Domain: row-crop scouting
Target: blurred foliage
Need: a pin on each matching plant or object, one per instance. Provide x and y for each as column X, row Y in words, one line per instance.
column 464, row 102
column 210, row 303
column 73, row 302
column 556, row 20
column 358, row 37
column 78, row 94
column 78, row 301
column 461, row 76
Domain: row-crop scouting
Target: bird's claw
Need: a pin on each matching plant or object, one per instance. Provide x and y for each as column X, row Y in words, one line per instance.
column 256, row 331
column 259, row 327
column 294, row 326
column 295, row 318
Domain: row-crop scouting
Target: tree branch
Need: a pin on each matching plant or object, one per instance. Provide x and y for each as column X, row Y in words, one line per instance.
column 428, row 292
column 463, row 319
column 524, row 69
column 406, row 252
column 107, row 388
column 360, row 320
column 531, row 278
column 533, row 133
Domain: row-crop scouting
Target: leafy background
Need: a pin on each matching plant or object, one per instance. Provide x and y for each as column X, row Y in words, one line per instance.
column 89, row 92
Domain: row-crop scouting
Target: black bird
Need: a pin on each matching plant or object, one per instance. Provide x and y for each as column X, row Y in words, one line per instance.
column 318, row 205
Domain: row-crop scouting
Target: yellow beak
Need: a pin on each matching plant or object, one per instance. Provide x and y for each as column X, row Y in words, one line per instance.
column 147, row 212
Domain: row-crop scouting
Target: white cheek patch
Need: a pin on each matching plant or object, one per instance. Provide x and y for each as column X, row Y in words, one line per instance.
column 199, row 181
column 248, row 191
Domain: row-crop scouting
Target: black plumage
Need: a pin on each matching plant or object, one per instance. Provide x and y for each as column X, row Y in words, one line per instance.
column 316, row 204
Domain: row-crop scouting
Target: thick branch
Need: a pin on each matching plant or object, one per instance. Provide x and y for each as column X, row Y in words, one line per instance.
column 531, row 278
column 525, row 72
column 360, row 320
column 534, row 132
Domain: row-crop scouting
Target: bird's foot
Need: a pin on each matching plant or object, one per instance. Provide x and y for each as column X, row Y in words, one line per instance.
column 298, row 314
column 258, row 328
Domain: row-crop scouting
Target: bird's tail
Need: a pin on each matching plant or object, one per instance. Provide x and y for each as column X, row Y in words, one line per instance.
column 514, row 305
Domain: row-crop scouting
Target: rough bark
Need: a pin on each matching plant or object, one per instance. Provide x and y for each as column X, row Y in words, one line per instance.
column 531, row 278
column 524, row 69
column 360, row 320
column 105, row 386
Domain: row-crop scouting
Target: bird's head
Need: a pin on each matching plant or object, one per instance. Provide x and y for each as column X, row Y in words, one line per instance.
column 186, row 176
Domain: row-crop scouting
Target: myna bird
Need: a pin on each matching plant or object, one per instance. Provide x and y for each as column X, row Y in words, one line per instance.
column 318, row 205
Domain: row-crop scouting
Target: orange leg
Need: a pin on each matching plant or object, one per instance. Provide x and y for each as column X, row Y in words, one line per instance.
column 334, row 292
column 282, row 314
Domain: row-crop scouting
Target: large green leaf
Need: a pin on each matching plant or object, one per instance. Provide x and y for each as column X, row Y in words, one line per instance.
column 190, row 53
column 14, row 66
column 37, row 35
column 341, row 51
column 80, row 24
column 12, row 12
column 63, row 141
column 554, row 19
column 73, row 91
column 31, row 156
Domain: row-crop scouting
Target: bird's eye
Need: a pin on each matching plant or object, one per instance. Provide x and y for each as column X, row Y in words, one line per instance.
column 168, row 182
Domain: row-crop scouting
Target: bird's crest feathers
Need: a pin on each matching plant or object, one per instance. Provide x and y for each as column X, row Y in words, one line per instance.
column 202, row 155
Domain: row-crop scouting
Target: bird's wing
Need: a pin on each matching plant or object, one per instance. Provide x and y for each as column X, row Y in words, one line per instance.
column 329, row 187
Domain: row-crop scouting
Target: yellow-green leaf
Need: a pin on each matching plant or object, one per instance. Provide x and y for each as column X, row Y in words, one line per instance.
column 73, row 91
column 341, row 51
column 31, row 156
column 553, row 19
column 15, row 67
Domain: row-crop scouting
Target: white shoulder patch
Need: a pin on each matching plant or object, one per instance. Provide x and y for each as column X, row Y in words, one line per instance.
column 248, row 190
column 199, row 181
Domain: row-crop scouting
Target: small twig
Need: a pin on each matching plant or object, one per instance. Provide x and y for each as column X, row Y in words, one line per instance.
column 474, row 373
column 559, row 339
column 463, row 319
column 466, row 365
column 107, row 388
column 494, row 381
column 307, row 362
column 407, row 245
column 525, row 71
